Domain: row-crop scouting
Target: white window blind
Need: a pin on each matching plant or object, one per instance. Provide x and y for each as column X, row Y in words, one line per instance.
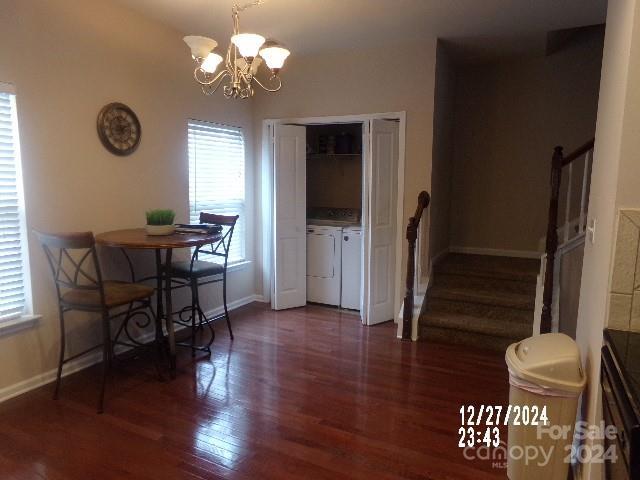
column 12, row 283
column 216, row 177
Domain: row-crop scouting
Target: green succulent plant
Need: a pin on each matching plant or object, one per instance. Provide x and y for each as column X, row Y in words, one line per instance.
column 160, row 217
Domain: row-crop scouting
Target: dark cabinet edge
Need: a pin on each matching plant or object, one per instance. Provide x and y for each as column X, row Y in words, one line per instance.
column 625, row 403
column 615, row 362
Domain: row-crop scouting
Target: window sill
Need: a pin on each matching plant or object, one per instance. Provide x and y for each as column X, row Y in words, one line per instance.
column 238, row 266
column 17, row 324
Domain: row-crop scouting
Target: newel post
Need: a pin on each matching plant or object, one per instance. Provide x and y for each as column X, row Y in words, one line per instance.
column 407, row 313
column 552, row 240
column 412, row 237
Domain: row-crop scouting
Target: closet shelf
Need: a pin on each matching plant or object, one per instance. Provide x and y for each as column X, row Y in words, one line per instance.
column 334, row 154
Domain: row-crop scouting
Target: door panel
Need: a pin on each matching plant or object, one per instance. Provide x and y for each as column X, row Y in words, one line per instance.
column 380, row 266
column 382, row 220
column 323, row 246
column 290, row 198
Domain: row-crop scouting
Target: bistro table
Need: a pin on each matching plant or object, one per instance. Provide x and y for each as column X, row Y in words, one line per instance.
column 137, row 239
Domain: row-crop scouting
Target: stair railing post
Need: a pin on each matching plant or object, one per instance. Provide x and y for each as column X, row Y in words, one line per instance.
column 552, row 240
column 407, row 313
column 412, row 236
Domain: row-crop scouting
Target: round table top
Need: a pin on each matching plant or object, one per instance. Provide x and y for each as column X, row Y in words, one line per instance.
column 138, row 238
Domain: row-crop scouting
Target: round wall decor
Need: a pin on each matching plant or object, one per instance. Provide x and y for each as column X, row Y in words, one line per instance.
column 119, row 129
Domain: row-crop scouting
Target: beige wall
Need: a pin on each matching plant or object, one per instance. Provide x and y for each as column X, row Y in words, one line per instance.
column 364, row 81
column 624, row 279
column 617, row 64
column 569, row 283
column 443, row 141
column 508, row 118
column 624, row 296
column 334, row 181
column 67, row 59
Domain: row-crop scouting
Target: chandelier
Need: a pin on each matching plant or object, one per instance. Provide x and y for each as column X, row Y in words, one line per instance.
column 245, row 54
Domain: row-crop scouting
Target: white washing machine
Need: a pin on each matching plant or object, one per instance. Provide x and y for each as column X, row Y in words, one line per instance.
column 351, row 267
column 324, row 257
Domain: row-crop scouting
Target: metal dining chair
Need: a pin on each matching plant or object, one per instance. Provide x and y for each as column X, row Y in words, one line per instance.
column 197, row 272
column 79, row 286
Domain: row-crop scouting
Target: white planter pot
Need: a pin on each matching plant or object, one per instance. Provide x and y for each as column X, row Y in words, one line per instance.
column 160, row 229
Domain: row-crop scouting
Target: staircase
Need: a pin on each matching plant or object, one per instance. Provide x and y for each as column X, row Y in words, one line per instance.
column 482, row 301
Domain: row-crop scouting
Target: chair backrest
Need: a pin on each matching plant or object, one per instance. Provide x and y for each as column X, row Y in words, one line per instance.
column 73, row 260
column 221, row 248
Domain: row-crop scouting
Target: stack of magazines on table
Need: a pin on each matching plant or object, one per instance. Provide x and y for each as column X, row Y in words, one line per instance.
column 203, row 228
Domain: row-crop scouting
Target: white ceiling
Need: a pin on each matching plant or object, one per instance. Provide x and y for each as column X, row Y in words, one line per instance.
column 315, row 25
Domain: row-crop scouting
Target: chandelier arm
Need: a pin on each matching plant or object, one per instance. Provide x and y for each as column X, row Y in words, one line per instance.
column 219, row 76
column 209, row 88
column 245, row 76
column 242, row 8
column 274, row 89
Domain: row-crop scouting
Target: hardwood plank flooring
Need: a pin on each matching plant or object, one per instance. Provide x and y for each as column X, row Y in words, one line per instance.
column 306, row 393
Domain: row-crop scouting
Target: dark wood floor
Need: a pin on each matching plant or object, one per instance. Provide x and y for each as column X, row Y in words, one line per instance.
column 307, row 393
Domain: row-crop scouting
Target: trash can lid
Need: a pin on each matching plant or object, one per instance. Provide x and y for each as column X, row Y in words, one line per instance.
column 551, row 360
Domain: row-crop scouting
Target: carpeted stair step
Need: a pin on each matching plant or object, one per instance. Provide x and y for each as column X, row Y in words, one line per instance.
column 481, row 301
column 455, row 306
column 460, row 337
column 485, row 297
column 503, row 268
column 494, row 327
column 459, row 280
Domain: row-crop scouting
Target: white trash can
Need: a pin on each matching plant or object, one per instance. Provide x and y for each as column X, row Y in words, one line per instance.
column 546, row 379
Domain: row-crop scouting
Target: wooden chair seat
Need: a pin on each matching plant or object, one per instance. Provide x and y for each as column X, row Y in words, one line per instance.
column 116, row 294
column 200, row 269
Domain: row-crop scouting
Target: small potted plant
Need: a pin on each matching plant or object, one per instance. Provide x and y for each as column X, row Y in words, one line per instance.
column 160, row 222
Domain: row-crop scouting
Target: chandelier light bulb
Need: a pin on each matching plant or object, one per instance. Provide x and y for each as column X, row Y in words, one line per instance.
column 211, row 63
column 248, row 43
column 274, row 55
column 200, row 46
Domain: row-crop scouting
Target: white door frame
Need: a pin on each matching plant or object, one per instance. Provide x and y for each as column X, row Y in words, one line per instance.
column 267, row 192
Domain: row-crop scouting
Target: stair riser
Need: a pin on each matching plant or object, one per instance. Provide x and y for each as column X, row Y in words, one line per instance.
column 457, row 337
column 479, row 310
column 507, row 300
column 485, row 326
column 484, row 283
column 528, row 277
column 504, row 268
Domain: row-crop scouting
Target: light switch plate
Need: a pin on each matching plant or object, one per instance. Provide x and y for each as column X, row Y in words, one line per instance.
column 591, row 231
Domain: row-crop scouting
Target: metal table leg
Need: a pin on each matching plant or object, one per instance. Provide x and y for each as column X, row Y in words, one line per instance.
column 159, row 285
column 159, row 300
column 168, row 316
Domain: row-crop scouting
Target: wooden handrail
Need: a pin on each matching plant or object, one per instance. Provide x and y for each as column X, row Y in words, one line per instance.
column 579, row 152
column 412, row 236
column 558, row 161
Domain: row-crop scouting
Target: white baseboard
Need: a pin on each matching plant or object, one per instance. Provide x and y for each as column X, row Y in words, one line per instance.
column 88, row 360
column 497, row 252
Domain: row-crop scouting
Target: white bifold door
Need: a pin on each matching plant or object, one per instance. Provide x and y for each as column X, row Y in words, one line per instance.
column 289, row 216
column 383, row 192
column 289, row 282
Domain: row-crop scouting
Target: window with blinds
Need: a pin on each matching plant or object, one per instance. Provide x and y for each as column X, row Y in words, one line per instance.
column 12, row 230
column 216, row 177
